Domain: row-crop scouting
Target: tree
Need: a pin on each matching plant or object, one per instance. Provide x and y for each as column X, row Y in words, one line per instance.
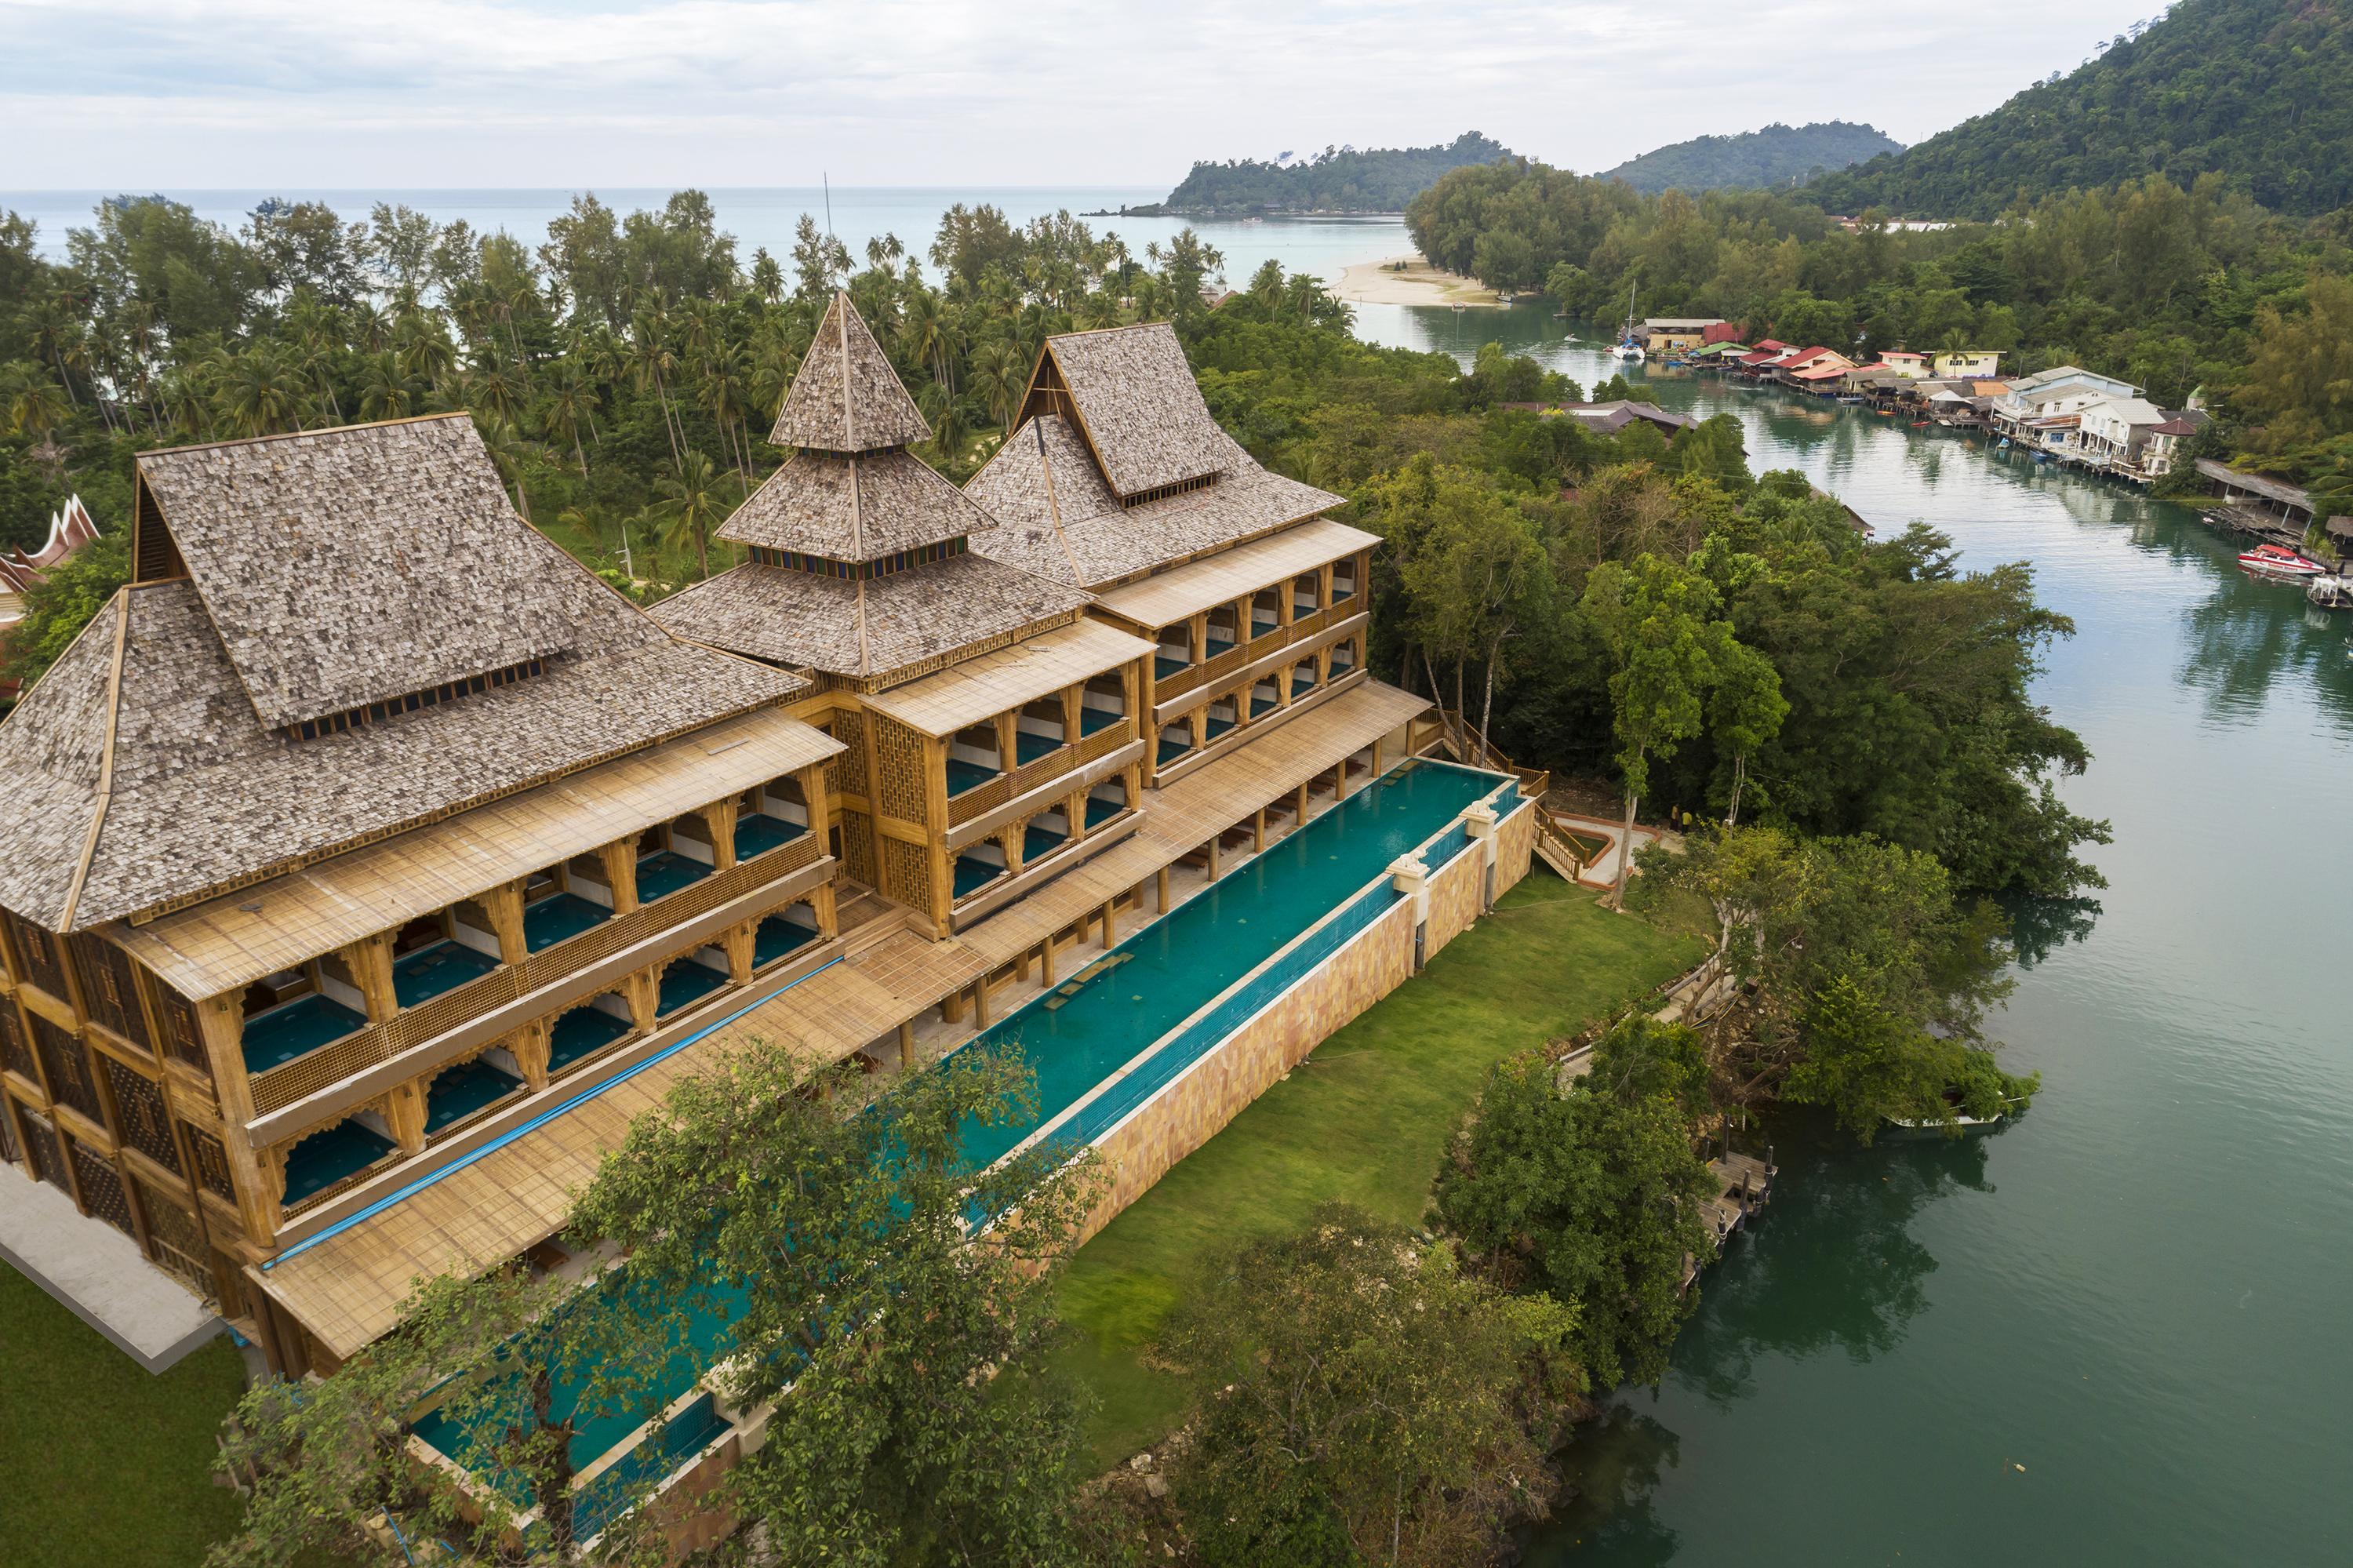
column 693, row 503
column 1745, row 710
column 62, row 601
column 1478, row 575
column 327, row 1459
column 1591, row 1195
column 905, row 1356
column 1657, row 619
column 1869, row 979
column 1363, row 1400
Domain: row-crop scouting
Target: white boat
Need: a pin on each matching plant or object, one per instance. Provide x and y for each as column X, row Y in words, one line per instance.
column 2279, row 561
column 1629, row 347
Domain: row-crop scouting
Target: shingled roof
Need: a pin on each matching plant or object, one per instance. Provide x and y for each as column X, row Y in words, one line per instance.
column 345, row 566
column 865, row 630
column 856, row 507
column 139, row 774
column 1137, row 405
column 846, row 397
column 1056, row 515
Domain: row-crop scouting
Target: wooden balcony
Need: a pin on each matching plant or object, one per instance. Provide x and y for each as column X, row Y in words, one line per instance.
column 307, row 1074
column 982, row 799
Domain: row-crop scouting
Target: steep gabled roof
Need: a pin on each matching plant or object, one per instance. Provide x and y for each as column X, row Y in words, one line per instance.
column 346, row 566
column 1138, row 406
column 854, row 507
column 846, row 397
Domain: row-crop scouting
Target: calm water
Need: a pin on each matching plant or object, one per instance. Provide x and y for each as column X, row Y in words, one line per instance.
column 2139, row 1292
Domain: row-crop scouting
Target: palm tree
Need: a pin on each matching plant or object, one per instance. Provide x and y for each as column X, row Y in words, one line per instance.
column 423, row 347
column 1099, row 310
column 510, row 449
column 32, row 401
column 693, row 504
column 927, row 336
column 649, row 332
column 571, row 402
column 1000, row 376
column 387, row 391
column 260, row 393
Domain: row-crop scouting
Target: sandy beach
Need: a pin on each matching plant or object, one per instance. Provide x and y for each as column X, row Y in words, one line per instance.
column 1377, row 283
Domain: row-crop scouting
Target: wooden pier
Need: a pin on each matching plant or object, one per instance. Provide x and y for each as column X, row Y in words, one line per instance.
column 1744, row 1186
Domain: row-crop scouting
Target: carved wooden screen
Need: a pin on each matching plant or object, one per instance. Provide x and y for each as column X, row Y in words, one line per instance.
column 139, row 1113
column 48, row 1159
column 212, row 1164
column 15, row 1046
column 109, row 992
column 71, row 1080
column 101, row 1189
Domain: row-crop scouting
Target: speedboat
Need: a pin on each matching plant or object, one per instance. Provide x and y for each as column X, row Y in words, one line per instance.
column 1630, row 347
column 2279, row 561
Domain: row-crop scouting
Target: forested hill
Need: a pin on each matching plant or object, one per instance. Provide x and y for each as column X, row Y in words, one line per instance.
column 1754, row 159
column 2256, row 90
column 1338, row 179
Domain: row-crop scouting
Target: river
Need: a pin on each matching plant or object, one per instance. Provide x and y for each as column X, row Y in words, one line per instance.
column 2115, row 1331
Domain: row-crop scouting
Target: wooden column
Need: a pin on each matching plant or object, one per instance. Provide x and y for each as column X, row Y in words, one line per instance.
column 1303, row 805
column 1046, row 961
column 620, row 862
column 1217, row 841
column 980, row 1002
column 1162, row 878
column 403, row 1112
column 370, row 961
column 530, row 1046
column 1376, row 757
column 815, row 801
column 822, row 906
column 642, row 992
column 504, row 905
column 737, row 943
column 719, row 820
column 1109, row 937
column 221, row 1021
column 1258, row 831
column 906, row 1043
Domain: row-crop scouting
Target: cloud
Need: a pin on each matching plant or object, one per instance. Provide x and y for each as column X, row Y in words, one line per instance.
column 733, row 92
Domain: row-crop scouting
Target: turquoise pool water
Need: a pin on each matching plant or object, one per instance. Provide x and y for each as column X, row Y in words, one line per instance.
column 775, row 936
column 323, row 1158
column 659, row 875
column 685, row 981
column 285, row 1033
column 428, row 973
column 757, row 833
column 576, row 1033
column 1078, row 1034
column 551, row 920
column 462, row 1090
column 963, row 776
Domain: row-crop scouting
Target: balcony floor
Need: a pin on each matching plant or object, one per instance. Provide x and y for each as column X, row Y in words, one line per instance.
column 775, row 937
column 687, row 982
column 323, row 1158
column 1101, row 810
column 1037, row 841
column 462, row 1090
column 963, row 776
column 428, row 973
column 1093, row 719
column 553, row 919
column 1027, row 747
column 759, row 833
column 973, row 874
column 301, row 1026
column 1164, row 666
column 1170, row 750
column 659, row 875
column 580, row 1032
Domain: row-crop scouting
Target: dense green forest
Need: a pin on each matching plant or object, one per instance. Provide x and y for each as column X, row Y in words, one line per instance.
column 2177, row 290
column 1338, row 179
column 2254, row 90
column 1754, row 160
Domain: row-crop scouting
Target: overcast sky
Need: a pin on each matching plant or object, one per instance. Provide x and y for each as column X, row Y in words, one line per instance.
column 353, row 93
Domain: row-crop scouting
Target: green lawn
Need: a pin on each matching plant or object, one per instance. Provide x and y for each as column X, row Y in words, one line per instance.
column 107, row 1466
column 1365, row 1120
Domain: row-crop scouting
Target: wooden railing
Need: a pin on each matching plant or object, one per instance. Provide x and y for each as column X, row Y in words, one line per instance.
column 1534, row 781
column 281, row 1085
column 1244, row 653
column 985, row 798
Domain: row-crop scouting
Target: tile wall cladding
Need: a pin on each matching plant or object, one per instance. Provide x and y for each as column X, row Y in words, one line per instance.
column 1516, row 841
column 1454, row 897
column 1191, row 1110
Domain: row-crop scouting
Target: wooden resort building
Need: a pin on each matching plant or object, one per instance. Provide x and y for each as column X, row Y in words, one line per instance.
column 370, row 863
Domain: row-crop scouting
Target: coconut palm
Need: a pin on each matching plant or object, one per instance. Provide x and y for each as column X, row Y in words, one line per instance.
column 511, row 451
column 693, row 503
column 571, row 403
column 261, row 392
column 31, row 400
column 387, row 391
column 655, row 363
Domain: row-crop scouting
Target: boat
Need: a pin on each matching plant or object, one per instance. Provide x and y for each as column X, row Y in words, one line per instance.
column 1936, row 1127
column 2279, row 561
column 1629, row 347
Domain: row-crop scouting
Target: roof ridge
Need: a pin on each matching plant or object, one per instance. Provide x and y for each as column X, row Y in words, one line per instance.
column 296, row 435
column 105, row 760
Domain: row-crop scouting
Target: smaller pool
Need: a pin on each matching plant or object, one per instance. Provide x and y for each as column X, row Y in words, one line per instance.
column 757, row 832
column 554, row 920
column 428, row 973
column 775, row 937
column 304, row 1026
column 323, row 1158
column 686, row 982
column 580, row 1031
column 463, row 1090
column 662, row 874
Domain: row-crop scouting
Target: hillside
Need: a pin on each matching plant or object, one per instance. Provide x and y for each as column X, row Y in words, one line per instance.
column 1338, row 179
column 2256, row 90
column 1753, row 160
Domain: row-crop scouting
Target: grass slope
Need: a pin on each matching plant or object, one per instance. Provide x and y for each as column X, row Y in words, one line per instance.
column 1364, row 1121
column 107, row 1466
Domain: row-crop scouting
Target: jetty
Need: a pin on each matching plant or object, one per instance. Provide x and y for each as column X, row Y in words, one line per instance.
column 1744, row 1186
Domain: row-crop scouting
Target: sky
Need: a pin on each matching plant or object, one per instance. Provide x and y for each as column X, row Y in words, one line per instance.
column 342, row 94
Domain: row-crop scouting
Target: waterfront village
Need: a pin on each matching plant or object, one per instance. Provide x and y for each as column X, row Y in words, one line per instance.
column 350, row 915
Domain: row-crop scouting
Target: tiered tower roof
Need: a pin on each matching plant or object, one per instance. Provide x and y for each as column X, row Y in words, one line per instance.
column 858, row 567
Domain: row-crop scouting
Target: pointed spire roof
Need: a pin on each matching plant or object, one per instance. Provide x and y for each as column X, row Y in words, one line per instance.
column 847, row 398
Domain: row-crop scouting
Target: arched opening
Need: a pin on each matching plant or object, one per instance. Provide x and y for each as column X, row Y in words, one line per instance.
column 783, row 934
column 1045, row 832
column 466, row 1090
column 1107, row 800
column 1175, row 739
column 676, row 854
column 688, row 979
column 973, row 758
column 586, row 1030
column 295, row 1011
column 1266, row 610
column 1175, row 651
column 979, row 865
column 1103, row 703
column 1222, row 716
column 336, row 1156
column 1306, row 594
column 1303, row 678
column 426, row 959
column 1264, row 697
column 558, row 904
column 770, row 817
column 1224, row 630
column 1039, row 730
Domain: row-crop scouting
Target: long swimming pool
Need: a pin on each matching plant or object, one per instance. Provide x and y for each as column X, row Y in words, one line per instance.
column 1081, row 1033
